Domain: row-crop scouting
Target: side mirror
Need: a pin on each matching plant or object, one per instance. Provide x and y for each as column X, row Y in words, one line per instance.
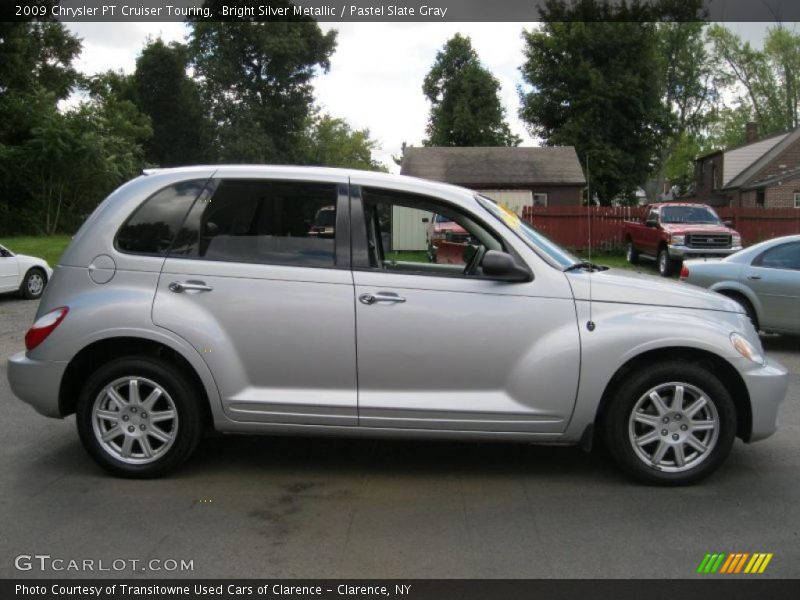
column 651, row 223
column 503, row 267
column 425, row 220
column 728, row 223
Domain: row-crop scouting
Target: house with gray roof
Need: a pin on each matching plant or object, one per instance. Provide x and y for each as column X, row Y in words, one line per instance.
column 762, row 172
column 548, row 176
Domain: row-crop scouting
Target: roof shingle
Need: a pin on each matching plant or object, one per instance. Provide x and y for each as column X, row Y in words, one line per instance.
column 495, row 166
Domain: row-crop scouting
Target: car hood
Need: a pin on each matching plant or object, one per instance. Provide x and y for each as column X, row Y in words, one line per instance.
column 625, row 287
column 679, row 228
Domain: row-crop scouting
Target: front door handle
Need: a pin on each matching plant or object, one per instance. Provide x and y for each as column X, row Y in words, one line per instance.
column 186, row 286
column 754, row 276
column 380, row 297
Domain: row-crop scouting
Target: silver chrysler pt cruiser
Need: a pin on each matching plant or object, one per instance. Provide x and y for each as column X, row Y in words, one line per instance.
column 212, row 298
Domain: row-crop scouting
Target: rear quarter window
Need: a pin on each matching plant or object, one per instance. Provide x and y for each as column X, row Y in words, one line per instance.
column 152, row 227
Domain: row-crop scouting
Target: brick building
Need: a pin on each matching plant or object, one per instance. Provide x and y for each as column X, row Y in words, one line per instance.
column 762, row 172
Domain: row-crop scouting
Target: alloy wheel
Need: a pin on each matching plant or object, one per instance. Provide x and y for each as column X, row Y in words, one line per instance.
column 135, row 420
column 673, row 427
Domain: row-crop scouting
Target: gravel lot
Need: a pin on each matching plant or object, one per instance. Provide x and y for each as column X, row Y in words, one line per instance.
column 283, row 507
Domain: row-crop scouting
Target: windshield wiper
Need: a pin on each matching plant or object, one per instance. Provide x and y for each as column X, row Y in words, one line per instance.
column 584, row 264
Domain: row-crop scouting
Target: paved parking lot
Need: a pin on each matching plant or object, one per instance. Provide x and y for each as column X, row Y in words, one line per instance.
column 281, row 507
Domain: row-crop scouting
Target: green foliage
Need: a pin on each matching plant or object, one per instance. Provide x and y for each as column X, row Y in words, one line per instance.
column 331, row 142
column 765, row 81
column 465, row 108
column 37, row 55
column 596, row 86
column 163, row 91
column 50, row 247
column 256, row 79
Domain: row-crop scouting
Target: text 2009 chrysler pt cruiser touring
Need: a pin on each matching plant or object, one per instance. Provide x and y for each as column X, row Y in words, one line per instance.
column 206, row 297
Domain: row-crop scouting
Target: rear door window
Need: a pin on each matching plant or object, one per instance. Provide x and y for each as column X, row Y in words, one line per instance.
column 152, row 227
column 266, row 222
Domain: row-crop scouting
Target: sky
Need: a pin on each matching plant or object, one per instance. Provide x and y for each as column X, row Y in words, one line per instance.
column 376, row 74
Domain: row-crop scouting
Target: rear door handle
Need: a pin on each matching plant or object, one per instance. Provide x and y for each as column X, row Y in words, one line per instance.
column 380, row 297
column 185, row 286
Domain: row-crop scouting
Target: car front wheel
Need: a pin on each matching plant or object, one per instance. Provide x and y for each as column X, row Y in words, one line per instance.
column 671, row 424
column 138, row 417
column 33, row 285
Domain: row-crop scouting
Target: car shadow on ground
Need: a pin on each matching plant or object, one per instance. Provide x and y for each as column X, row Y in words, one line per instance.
column 780, row 343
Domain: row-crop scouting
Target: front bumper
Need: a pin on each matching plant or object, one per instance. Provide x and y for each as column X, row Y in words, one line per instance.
column 37, row 382
column 767, row 387
column 681, row 252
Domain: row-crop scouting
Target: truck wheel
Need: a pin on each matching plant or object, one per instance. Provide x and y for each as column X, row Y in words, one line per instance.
column 666, row 266
column 138, row 417
column 630, row 253
column 670, row 424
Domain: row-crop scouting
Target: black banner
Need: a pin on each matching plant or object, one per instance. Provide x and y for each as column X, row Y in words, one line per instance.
column 389, row 11
column 737, row 588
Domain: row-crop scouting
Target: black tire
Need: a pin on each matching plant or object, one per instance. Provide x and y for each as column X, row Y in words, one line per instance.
column 29, row 288
column 617, row 425
column 666, row 266
column 631, row 253
column 745, row 304
column 184, row 396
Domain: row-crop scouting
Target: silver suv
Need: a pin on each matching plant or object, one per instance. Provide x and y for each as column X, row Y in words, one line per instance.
column 205, row 298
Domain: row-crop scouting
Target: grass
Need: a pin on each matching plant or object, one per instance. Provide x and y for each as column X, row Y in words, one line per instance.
column 408, row 256
column 49, row 247
column 618, row 261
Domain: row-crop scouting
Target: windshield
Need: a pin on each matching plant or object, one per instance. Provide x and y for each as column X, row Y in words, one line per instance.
column 442, row 219
column 536, row 240
column 688, row 214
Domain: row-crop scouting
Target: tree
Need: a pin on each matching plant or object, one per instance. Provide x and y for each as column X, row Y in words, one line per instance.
column 596, row 86
column 256, row 80
column 331, row 142
column 765, row 81
column 689, row 94
column 465, row 107
column 163, row 91
column 73, row 159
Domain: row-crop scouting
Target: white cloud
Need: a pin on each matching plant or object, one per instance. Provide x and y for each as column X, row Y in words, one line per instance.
column 377, row 71
column 115, row 46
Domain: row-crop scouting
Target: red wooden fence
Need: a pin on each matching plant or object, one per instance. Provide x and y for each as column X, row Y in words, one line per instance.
column 569, row 225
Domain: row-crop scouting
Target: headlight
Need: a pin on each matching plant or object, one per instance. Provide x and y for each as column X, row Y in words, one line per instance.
column 746, row 349
column 736, row 240
column 678, row 240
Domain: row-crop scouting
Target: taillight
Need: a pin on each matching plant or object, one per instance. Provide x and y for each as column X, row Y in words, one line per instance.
column 44, row 326
column 684, row 272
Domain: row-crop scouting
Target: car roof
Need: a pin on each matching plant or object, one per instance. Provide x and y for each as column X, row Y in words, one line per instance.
column 361, row 176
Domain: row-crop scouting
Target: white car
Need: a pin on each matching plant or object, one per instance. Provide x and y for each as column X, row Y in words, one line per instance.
column 24, row 274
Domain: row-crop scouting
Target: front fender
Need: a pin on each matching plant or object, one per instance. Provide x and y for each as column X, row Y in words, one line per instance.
column 624, row 331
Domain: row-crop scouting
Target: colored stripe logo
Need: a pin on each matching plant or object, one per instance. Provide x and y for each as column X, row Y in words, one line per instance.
column 734, row 563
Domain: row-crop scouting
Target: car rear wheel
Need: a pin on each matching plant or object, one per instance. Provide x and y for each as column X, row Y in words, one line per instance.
column 631, row 254
column 33, row 285
column 138, row 417
column 672, row 424
column 666, row 266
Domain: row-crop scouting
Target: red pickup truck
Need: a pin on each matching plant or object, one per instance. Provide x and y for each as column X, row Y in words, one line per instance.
column 670, row 232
